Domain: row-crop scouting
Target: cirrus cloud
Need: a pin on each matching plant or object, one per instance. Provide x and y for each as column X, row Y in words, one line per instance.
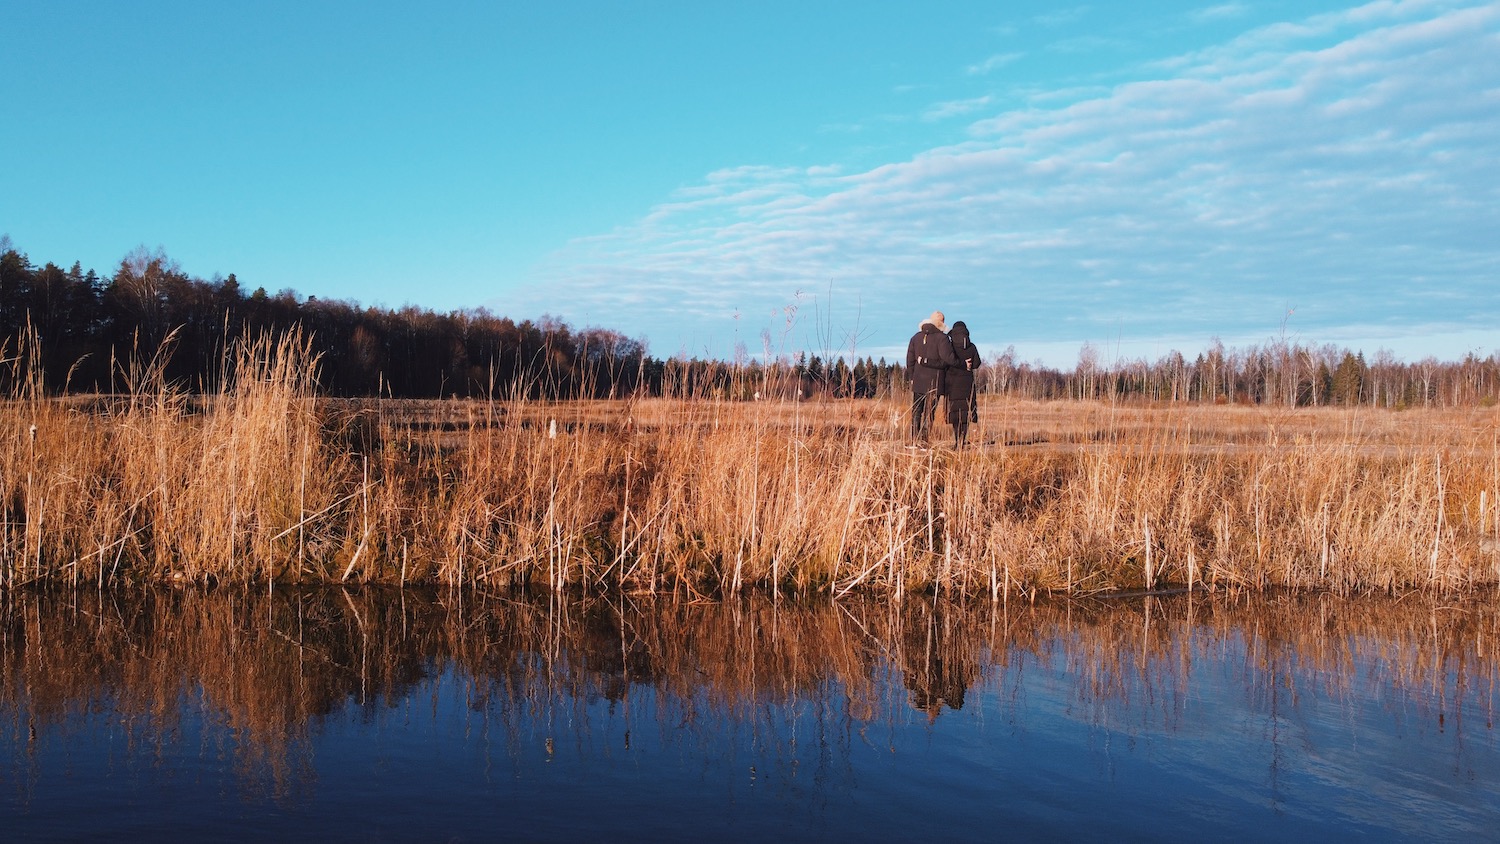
column 1341, row 165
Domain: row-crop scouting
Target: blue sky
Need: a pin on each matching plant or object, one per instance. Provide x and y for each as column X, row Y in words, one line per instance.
column 790, row 175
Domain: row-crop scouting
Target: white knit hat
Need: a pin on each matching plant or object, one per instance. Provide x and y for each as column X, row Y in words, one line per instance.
column 936, row 320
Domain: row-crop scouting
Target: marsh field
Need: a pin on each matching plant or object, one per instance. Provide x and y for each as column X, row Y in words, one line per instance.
column 265, row 482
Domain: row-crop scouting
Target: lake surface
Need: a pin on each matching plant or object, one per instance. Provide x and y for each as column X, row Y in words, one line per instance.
column 445, row 716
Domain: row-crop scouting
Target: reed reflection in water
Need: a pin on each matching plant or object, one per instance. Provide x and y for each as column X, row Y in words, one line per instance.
column 461, row 716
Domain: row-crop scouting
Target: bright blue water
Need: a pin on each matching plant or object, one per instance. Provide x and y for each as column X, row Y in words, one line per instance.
column 1067, row 729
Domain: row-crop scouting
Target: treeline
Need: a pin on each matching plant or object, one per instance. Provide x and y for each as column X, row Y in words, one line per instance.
column 84, row 331
column 85, row 327
column 1277, row 373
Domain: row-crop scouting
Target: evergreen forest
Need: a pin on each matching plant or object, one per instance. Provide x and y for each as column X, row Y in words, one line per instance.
column 86, row 333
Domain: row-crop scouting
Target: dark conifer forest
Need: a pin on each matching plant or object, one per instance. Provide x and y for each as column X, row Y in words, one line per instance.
column 84, row 332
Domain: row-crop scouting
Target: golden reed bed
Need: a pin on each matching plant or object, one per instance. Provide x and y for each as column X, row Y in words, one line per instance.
column 265, row 482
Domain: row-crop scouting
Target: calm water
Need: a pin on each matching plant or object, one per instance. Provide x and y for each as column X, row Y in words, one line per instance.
column 336, row 715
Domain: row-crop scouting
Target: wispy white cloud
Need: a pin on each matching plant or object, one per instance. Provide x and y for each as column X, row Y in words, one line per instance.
column 1342, row 166
column 955, row 108
column 1223, row 11
column 994, row 63
column 1062, row 17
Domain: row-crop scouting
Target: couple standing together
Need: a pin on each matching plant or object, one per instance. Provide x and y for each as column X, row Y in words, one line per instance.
column 941, row 363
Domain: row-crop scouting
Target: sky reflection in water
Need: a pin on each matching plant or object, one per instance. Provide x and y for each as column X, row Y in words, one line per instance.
column 426, row 716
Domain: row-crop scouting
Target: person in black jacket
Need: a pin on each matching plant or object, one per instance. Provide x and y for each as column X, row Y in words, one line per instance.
column 959, row 383
column 929, row 354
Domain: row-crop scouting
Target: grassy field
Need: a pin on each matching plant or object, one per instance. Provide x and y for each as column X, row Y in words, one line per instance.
column 268, row 483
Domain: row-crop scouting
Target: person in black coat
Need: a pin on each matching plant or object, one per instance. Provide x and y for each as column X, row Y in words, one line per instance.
column 929, row 355
column 958, row 383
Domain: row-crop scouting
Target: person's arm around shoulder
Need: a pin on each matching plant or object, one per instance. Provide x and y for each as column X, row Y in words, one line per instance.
column 945, row 351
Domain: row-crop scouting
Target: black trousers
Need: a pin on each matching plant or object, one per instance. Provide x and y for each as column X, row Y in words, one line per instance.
column 923, row 411
column 959, row 411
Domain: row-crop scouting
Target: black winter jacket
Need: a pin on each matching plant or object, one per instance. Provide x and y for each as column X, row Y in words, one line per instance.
column 929, row 354
column 959, row 383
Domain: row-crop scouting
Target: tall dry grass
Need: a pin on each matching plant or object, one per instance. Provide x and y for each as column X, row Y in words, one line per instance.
column 264, row 482
column 155, row 484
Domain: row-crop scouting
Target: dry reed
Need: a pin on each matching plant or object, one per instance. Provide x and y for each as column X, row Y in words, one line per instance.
column 264, row 482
